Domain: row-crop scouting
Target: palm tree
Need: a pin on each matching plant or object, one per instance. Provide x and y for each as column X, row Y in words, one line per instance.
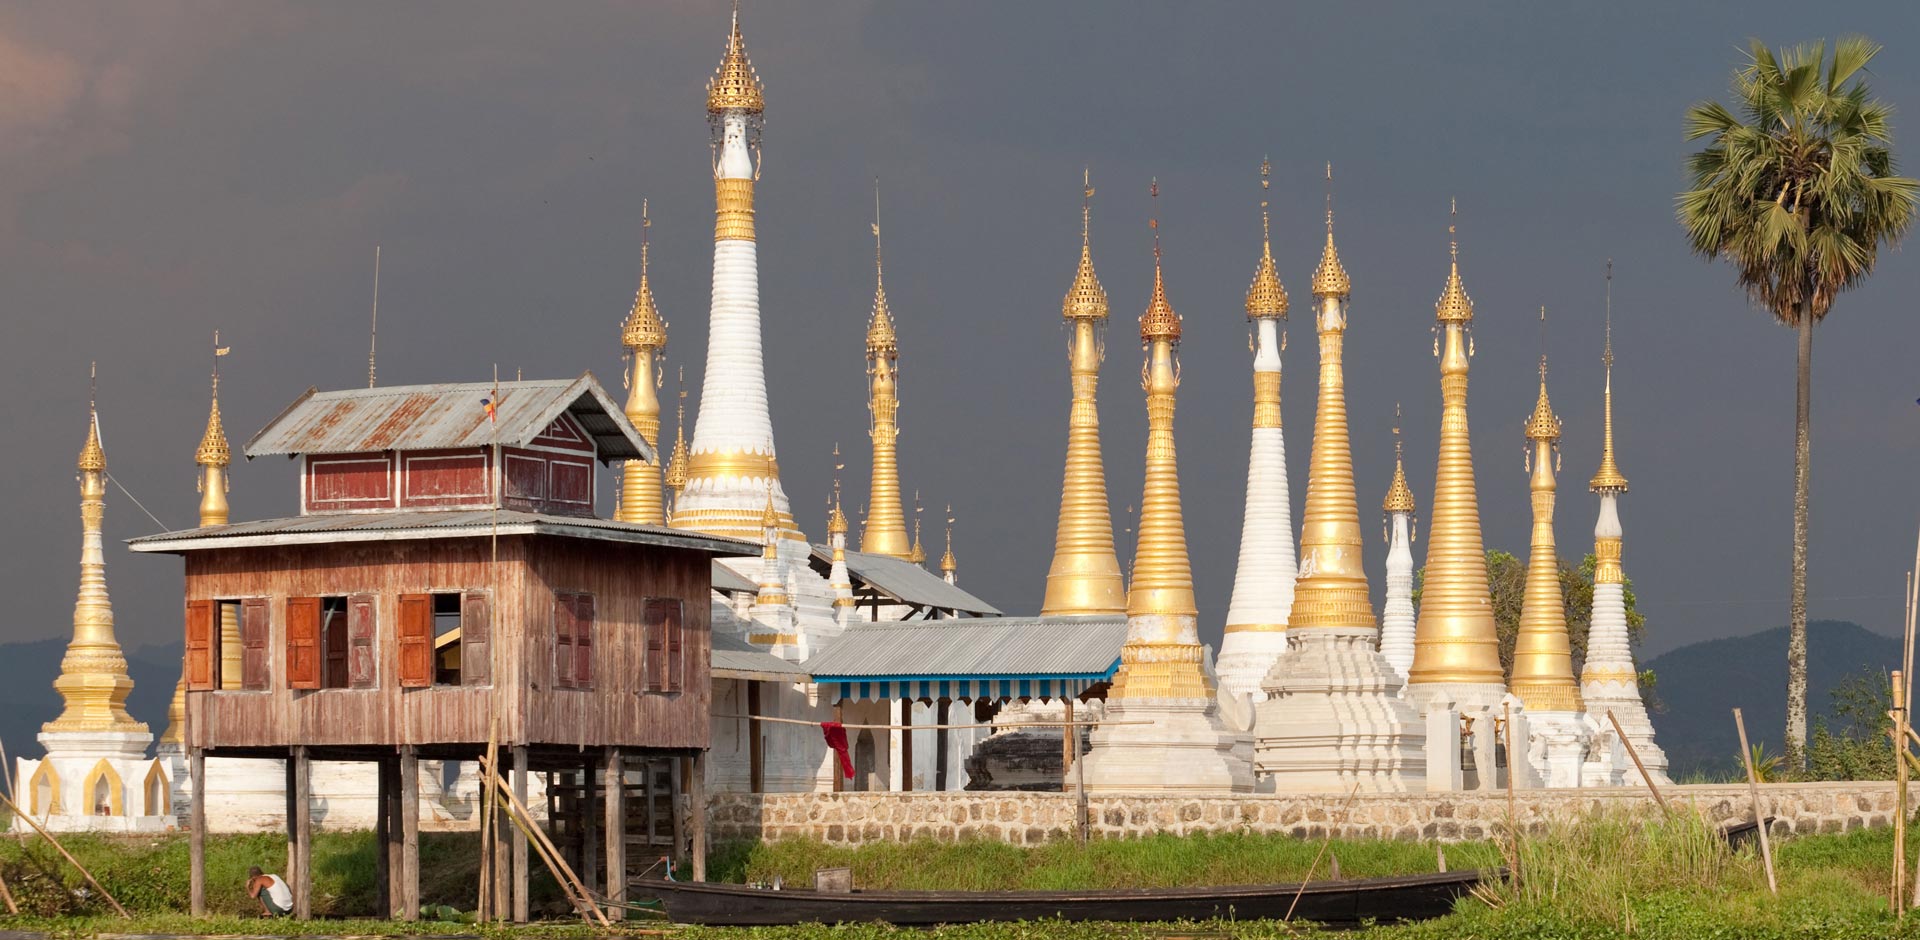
column 1798, row 192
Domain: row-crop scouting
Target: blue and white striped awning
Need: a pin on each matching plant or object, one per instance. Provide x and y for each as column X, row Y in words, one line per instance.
column 964, row 689
column 971, row 658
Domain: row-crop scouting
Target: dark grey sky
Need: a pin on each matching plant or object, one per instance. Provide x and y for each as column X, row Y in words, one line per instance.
column 166, row 169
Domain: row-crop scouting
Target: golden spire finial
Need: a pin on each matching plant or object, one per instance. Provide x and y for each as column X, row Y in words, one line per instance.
column 677, row 465
column 948, row 563
column 919, row 555
column 1608, row 480
column 1399, row 494
column 881, row 338
column 1159, row 322
column 1330, row 278
column 1086, row 299
column 213, row 450
column 1267, row 298
column 1543, row 425
column 735, row 86
column 93, row 457
column 1454, row 305
column 836, row 519
column 644, row 329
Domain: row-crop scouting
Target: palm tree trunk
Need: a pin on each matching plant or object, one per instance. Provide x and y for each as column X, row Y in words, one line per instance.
column 1797, row 599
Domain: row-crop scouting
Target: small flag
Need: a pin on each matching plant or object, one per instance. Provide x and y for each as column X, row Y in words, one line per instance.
column 491, row 404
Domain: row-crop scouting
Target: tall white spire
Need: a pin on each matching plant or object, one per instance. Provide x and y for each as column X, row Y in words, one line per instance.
column 1397, row 616
column 732, row 470
column 1256, row 633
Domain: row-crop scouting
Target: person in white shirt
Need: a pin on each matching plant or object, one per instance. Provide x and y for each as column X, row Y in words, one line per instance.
column 275, row 898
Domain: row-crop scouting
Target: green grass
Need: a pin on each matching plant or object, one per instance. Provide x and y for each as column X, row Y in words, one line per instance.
column 1151, row 862
column 1605, row 877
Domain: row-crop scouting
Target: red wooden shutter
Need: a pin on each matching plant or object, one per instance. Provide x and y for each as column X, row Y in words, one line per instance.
column 303, row 642
column 360, row 649
column 476, row 638
column 416, row 640
column 563, row 615
column 200, row 658
column 583, row 641
column 676, row 659
column 655, row 626
column 256, row 620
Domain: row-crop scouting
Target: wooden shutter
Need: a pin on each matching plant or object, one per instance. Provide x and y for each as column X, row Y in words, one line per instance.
column 655, row 667
column 256, row 620
column 416, row 640
column 360, row 649
column 583, row 641
column 476, row 638
column 563, row 615
column 200, row 658
column 303, row 642
column 676, row 659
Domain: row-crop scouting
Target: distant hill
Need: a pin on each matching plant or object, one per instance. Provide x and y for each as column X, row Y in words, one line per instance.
column 27, row 698
column 1701, row 684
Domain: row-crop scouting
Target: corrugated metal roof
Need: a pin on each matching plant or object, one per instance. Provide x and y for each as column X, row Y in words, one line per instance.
column 425, row 417
column 726, row 579
column 905, row 582
column 735, row 658
column 428, row 524
column 974, row 647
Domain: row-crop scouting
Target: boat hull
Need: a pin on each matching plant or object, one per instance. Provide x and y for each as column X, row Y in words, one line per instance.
column 1412, row 897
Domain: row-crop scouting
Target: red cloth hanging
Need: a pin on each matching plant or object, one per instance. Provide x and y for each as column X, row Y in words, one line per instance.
column 836, row 735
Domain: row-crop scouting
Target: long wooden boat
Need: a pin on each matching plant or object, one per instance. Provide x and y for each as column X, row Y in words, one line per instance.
column 1410, row 897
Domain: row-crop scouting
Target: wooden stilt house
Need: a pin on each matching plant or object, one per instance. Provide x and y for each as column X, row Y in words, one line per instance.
column 447, row 583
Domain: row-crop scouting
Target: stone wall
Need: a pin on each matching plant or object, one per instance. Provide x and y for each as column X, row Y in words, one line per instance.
column 1031, row 818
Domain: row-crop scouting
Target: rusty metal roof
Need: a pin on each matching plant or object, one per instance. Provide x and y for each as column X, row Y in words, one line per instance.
column 425, row 417
column 324, row 528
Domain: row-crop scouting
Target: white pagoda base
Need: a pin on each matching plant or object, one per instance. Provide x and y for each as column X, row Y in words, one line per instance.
column 1246, row 656
column 1623, row 699
column 1165, row 746
column 1334, row 719
column 1467, row 698
column 1557, row 746
column 96, row 781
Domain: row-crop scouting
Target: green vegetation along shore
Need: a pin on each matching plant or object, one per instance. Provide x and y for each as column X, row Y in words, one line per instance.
column 1605, row 877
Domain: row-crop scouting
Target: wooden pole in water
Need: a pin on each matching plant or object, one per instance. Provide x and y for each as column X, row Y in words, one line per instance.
column 1753, row 791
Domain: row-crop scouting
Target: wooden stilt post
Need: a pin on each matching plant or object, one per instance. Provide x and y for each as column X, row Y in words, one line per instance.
column 1066, row 748
column 383, row 868
column 616, row 832
column 697, row 815
column 520, row 872
column 409, row 813
column 756, row 747
column 590, row 821
column 680, row 773
column 1753, row 792
column 197, row 833
column 302, row 833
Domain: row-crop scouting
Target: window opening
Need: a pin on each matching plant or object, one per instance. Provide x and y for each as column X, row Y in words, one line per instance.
column 446, row 639
column 333, row 642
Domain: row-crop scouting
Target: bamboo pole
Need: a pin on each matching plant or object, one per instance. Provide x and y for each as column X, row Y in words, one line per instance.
column 14, row 808
column 1753, row 792
column 581, row 904
column 1900, row 802
column 1644, row 776
column 518, row 812
column 7, row 896
column 1324, row 843
column 485, row 912
column 1513, row 812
